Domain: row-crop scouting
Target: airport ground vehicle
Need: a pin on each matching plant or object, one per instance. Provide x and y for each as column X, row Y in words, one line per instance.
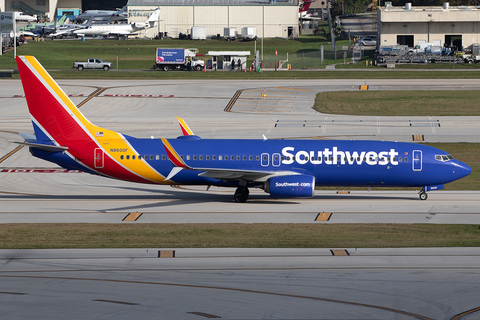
column 92, row 63
column 470, row 58
column 420, row 47
column 178, row 59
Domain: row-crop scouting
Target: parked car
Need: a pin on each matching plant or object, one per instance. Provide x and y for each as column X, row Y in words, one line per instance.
column 368, row 41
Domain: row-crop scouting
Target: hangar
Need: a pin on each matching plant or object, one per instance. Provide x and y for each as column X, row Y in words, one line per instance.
column 445, row 25
column 271, row 18
column 42, row 8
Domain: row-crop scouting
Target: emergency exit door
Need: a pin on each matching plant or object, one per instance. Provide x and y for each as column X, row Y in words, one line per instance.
column 98, row 157
column 417, row 160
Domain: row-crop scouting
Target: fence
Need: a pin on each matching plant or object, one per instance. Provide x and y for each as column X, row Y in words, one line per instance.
column 314, row 60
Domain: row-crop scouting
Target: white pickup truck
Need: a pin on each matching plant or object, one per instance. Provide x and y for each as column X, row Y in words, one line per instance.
column 93, row 63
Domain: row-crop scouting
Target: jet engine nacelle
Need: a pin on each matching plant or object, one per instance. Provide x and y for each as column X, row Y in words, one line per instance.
column 292, row 186
column 140, row 25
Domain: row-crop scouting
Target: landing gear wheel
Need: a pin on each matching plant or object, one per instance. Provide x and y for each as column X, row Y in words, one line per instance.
column 241, row 195
column 423, row 195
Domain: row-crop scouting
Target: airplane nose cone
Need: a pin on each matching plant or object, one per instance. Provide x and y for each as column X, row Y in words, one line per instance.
column 461, row 169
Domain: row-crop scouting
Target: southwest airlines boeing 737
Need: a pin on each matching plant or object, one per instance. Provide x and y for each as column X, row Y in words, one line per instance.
column 283, row 168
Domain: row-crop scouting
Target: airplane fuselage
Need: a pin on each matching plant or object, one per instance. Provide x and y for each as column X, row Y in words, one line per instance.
column 106, row 29
column 338, row 163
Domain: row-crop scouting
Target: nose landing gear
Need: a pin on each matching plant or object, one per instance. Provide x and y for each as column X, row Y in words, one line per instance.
column 423, row 195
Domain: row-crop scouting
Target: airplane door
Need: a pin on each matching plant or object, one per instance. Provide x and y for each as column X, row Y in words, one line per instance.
column 265, row 159
column 417, row 160
column 98, row 155
column 276, row 159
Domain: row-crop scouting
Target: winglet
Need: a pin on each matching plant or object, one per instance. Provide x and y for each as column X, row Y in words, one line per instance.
column 185, row 128
column 173, row 155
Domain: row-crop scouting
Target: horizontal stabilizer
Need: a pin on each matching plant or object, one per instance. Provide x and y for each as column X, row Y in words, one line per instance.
column 28, row 137
column 46, row 147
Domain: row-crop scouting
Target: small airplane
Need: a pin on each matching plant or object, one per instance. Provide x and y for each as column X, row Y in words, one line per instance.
column 283, row 168
column 122, row 30
column 104, row 15
column 21, row 16
column 67, row 29
column 42, row 29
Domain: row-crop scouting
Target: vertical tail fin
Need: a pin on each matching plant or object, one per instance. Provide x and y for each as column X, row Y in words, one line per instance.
column 58, row 122
column 55, row 117
column 152, row 20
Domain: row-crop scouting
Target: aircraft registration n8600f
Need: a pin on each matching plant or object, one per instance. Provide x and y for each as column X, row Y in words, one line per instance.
column 283, row 168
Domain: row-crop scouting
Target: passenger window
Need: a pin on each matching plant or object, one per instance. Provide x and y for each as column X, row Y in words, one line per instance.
column 121, row 157
column 250, row 158
column 400, row 159
column 214, row 157
column 188, row 157
column 133, row 157
column 244, row 158
column 157, row 157
column 181, row 157
column 201, row 157
column 208, row 157
column 128, row 157
column 163, row 157
column 145, row 157
column 406, row 159
column 238, row 157
column 257, row 157
column 194, row 157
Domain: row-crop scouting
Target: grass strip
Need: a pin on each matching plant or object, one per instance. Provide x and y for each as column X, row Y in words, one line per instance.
column 43, row 236
column 399, row 103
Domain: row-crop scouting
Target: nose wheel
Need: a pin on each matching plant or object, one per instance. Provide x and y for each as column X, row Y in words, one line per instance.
column 423, row 195
column 241, row 194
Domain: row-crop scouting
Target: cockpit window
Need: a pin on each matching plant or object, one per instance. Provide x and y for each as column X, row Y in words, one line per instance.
column 443, row 158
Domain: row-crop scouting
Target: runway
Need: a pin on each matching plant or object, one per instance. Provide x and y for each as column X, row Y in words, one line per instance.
column 240, row 284
column 82, row 198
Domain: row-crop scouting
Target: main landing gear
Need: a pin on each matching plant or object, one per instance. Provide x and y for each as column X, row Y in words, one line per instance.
column 241, row 194
column 423, row 195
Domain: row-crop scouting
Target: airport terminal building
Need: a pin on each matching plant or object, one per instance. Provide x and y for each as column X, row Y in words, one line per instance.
column 269, row 17
column 457, row 26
